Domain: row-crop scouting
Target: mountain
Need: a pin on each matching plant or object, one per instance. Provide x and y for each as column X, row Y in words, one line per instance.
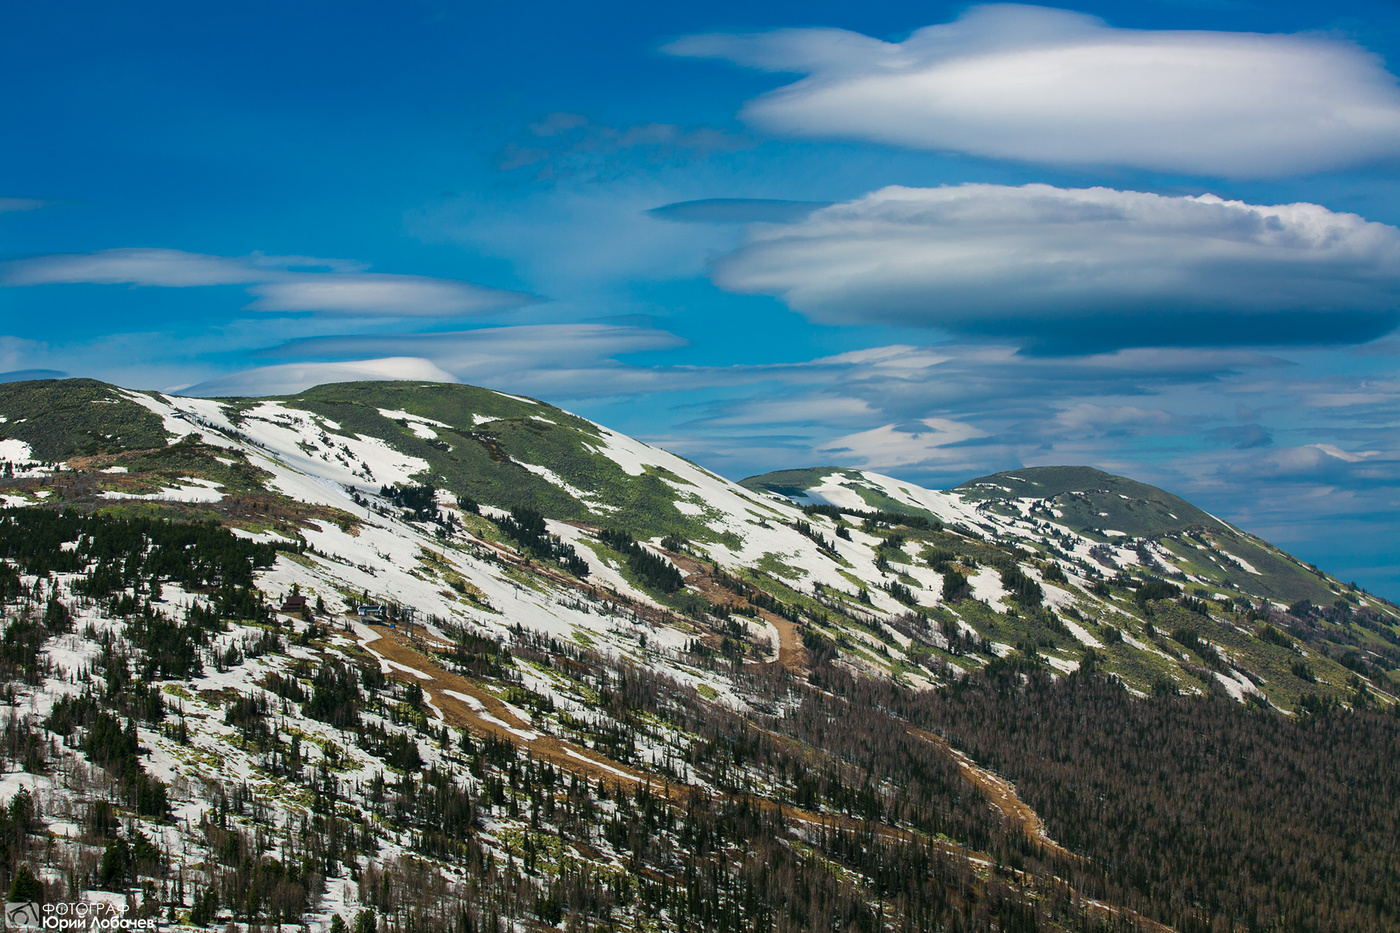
column 1088, row 501
column 440, row 657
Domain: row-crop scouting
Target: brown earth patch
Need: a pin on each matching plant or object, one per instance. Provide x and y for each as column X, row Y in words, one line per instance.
column 495, row 718
column 1001, row 793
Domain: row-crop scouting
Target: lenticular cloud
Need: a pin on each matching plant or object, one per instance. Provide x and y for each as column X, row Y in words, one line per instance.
column 1042, row 85
column 1089, row 268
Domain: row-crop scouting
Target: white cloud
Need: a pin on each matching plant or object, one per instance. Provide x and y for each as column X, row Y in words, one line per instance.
column 892, row 446
column 499, row 349
column 1093, row 266
column 164, row 268
column 1088, row 418
column 290, row 378
column 1332, row 450
column 368, row 293
column 1045, row 85
column 279, row 283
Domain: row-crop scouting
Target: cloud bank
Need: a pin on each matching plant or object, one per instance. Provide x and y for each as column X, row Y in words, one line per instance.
column 1043, row 85
column 1092, row 268
column 895, row 446
column 290, row 378
column 547, row 360
column 278, row 283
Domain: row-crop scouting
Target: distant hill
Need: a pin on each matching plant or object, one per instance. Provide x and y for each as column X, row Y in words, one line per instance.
column 60, row 418
column 1087, row 499
column 794, row 483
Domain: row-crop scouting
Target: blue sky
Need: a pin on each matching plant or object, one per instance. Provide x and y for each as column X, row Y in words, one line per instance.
column 934, row 240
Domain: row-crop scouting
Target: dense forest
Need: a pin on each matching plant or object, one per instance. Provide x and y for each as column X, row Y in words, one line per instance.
column 1199, row 811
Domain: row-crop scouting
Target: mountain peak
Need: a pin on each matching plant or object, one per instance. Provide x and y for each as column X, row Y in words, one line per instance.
column 1088, row 498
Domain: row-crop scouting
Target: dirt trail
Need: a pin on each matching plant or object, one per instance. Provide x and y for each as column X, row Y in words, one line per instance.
column 792, row 654
column 1002, row 795
column 486, row 714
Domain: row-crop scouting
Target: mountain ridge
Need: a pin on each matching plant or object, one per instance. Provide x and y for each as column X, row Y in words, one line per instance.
column 344, row 606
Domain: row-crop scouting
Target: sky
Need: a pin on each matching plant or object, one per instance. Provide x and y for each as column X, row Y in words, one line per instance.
column 932, row 240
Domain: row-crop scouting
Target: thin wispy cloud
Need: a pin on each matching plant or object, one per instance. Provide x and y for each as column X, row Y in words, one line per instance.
column 14, row 205
column 278, row 283
column 1322, row 463
column 1081, row 268
column 290, row 378
column 494, row 349
column 736, row 210
column 1045, row 85
column 376, row 294
column 161, row 268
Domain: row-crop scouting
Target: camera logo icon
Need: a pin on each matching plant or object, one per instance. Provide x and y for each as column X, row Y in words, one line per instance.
column 25, row 915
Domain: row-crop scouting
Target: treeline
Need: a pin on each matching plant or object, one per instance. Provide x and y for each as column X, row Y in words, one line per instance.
column 873, row 519
column 419, row 500
column 527, row 528
column 112, row 745
column 816, row 537
column 652, row 569
column 116, row 552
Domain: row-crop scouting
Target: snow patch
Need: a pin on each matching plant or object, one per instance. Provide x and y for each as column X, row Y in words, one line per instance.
column 190, row 490
column 1082, row 634
column 15, row 450
column 396, row 415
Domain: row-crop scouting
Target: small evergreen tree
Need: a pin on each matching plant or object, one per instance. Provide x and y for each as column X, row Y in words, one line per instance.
column 26, row 887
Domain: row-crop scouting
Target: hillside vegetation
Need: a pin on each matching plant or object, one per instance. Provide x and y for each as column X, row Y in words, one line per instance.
column 402, row 657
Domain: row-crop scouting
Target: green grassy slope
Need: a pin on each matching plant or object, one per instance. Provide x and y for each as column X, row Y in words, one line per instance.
column 481, row 458
column 792, row 483
column 1089, row 500
column 61, row 418
column 795, row 483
